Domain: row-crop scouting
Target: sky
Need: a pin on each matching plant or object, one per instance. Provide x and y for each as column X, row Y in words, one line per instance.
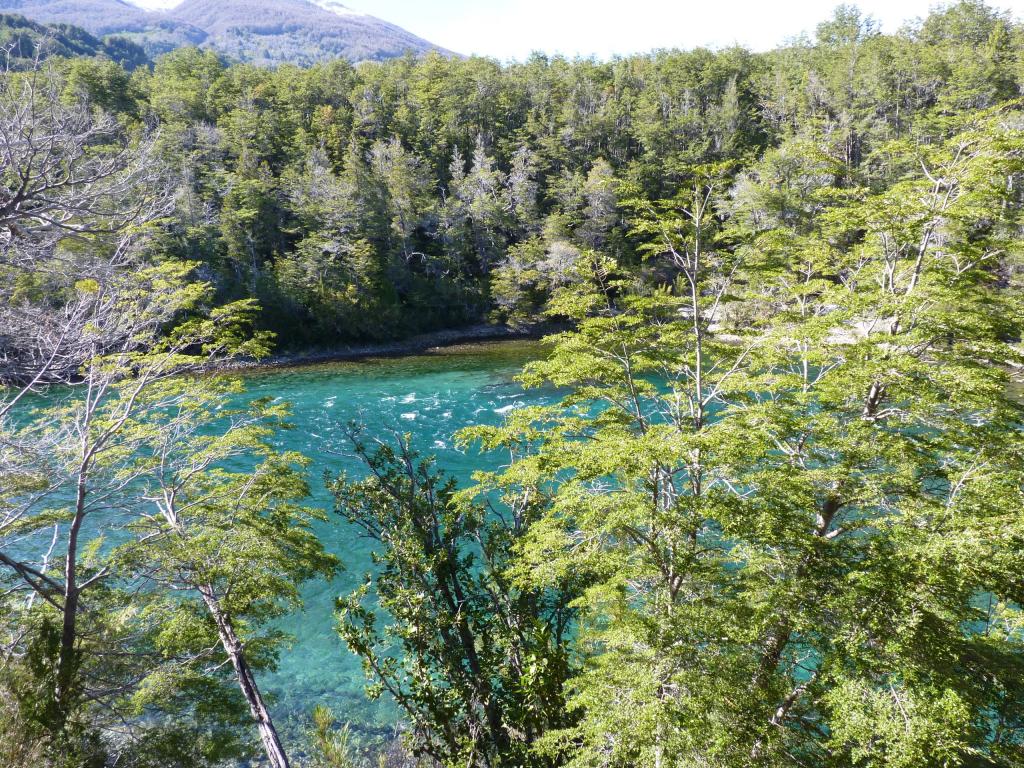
column 512, row 29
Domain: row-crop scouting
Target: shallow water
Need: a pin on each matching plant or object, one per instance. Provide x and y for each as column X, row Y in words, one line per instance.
column 430, row 397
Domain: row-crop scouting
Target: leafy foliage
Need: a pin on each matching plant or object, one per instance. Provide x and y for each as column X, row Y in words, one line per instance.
column 801, row 542
column 476, row 663
column 773, row 520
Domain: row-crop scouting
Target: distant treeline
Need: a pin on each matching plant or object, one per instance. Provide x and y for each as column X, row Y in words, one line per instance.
column 374, row 201
column 24, row 41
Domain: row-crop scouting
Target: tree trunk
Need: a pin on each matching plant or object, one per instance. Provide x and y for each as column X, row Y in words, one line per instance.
column 66, row 661
column 246, row 680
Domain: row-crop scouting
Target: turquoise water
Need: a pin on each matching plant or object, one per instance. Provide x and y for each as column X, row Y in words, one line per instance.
column 430, row 397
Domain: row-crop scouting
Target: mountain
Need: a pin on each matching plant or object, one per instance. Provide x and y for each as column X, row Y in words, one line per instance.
column 296, row 31
column 100, row 17
column 155, row 32
column 23, row 41
column 267, row 32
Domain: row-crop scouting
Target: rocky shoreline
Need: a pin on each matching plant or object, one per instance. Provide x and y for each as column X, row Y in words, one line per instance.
column 414, row 345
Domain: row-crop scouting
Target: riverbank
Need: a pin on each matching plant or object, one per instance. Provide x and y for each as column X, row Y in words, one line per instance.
column 420, row 344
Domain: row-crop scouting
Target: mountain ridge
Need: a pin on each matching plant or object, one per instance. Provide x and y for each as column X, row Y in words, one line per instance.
column 22, row 41
column 269, row 33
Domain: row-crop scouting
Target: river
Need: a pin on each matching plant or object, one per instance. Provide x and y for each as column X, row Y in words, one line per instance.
column 430, row 397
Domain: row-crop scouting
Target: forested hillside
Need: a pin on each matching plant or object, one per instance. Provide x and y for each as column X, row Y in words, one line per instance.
column 266, row 33
column 439, row 192
column 766, row 512
column 296, row 32
column 109, row 17
column 24, row 41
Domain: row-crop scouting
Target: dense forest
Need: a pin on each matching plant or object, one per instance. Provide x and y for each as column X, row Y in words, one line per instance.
column 429, row 193
column 24, row 41
column 774, row 518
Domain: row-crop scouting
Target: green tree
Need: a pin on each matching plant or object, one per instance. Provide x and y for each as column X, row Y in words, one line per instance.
column 182, row 82
column 476, row 662
column 136, row 336
column 408, row 190
column 801, row 543
column 224, row 525
column 474, row 219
